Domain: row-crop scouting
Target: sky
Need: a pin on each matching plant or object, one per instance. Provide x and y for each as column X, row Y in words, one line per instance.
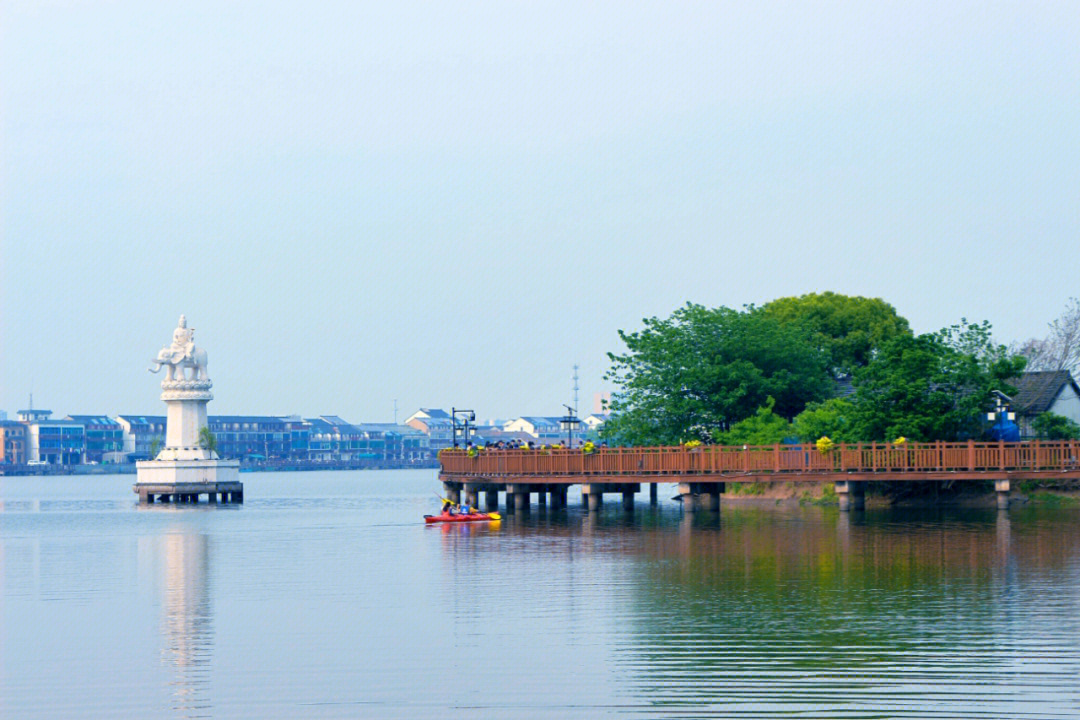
column 452, row 204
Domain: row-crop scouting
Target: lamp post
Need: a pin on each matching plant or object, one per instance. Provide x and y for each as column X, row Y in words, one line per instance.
column 568, row 422
column 469, row 416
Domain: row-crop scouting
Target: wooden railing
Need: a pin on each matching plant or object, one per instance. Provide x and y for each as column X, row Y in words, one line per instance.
column 883, row 458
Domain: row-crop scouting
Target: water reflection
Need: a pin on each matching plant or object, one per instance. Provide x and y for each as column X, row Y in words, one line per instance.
column 188, row 631
column 856, row 615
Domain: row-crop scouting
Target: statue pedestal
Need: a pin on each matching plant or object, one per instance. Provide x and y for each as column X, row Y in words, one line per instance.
column 185, row 469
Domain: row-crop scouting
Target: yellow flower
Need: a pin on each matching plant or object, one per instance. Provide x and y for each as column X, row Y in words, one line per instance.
column 691, row 444
column 824, row 444
column 900, row 440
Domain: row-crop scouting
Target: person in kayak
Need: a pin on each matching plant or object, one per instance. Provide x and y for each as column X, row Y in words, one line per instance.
column 447, row 508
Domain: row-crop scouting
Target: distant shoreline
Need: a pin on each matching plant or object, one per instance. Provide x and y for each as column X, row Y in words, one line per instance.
column 269, row 466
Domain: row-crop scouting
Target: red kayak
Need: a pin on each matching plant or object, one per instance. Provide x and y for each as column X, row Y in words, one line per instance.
column 471, row 517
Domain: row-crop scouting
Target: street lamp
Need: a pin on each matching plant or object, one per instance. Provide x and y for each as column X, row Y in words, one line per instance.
column 568, row 422
column 469, row 416
column 1003, row 406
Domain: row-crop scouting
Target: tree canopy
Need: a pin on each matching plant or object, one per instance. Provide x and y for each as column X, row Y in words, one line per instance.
column 759, row 375
column 1049, row 426
column 764, row 427
column 848, row 329
column 702, row 370
column 932, row 387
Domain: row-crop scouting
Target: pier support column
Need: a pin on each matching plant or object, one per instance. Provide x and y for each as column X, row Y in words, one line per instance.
column 851, row 494
column 596, row 501
column 558, row 497
column 1002, row 488
column 541, row 497
column 709, row 496
column 688, row 494
column 520, row 493
column 594, row 496
column 452, row 490
column 653, row 493
column 491, row 500
column 472, row 496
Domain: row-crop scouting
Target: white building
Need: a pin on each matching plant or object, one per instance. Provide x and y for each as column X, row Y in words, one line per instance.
column 594, row 421
column 543, row 429
column 1053, row 391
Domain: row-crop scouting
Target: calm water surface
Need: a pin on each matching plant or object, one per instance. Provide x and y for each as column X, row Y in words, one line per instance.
column 324, row 596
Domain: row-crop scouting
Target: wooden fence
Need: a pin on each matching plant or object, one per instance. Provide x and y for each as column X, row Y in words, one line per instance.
column 908, row 459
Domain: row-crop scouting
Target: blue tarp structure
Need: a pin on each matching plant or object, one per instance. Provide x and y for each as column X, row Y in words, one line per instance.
column 1005, row 429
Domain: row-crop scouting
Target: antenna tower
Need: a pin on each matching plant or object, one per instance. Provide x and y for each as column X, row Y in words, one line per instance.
column 575, row 387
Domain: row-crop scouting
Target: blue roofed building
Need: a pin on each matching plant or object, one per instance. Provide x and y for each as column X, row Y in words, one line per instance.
column 104, row 437
column 142, row 433
column 251, row 437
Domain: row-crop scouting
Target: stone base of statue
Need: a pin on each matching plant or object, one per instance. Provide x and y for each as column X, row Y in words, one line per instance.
column 186, row 469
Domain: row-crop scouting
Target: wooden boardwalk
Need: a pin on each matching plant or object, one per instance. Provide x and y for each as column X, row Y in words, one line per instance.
column 704, row 470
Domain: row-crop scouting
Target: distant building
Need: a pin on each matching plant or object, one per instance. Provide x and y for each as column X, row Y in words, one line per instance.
column 1054, row 391
column 32, row 415
column 251, row 437
column 487, row 435
column 12, row 442
column 104, row 436
column 400, row 443
column 436, row 424
column 298, row 432
column 540, row 428
column 139, row 434
column 601, row 401
column 594, row 421
column 335, row 440
column 56, row 442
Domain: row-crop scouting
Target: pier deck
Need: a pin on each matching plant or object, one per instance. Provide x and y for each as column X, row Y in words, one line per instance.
column 704, row 470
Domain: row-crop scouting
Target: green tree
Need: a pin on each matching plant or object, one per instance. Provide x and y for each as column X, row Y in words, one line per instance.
column 703, row 370
column 764, row 427
column 849, row 329
column 832, row 418
column 1049, row 426
column 932, row 387
column 207, row 439
column 155, row 448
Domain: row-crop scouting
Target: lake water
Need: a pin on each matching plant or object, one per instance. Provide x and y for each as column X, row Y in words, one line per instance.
column 325, row 596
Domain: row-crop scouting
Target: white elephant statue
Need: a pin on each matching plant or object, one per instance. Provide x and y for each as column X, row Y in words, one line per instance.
column 175, row 363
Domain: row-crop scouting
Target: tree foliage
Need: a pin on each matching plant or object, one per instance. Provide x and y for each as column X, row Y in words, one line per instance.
column 1049, row 426
column 764, row 427
column 207, row 439
column 850, row 330
column 703, row 370
column 758, row 375
column 932, row 387
column 833, row 418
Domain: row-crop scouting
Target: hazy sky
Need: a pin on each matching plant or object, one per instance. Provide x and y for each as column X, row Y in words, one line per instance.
column 452, row 203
